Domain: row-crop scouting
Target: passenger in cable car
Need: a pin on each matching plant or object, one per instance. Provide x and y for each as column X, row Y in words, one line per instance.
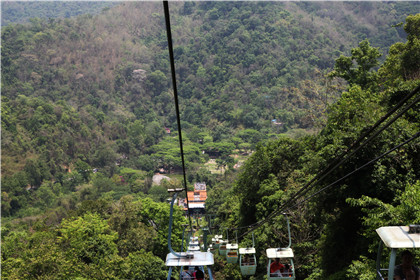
column 246, row 260
column 186, row 274
column 287, row 270
column 198, row 274
column 406, row 270
column 276, row 268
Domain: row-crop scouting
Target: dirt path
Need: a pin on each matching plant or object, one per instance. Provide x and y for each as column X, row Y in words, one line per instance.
column 159, row 177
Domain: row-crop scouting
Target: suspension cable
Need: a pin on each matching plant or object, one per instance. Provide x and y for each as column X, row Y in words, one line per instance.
column 348, row 153
column 178, row 119
column 282, row 207
column 301, row 192
column 354, row 171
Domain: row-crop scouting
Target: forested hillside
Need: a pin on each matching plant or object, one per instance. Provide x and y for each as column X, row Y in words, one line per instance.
column 333, row 224
column 88, row 117
column 20, row 12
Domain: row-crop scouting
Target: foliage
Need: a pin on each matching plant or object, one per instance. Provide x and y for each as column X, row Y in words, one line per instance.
column 17, row 12
column 89, row 239
column 87, row 120
column 107, row 243
column 360, row 74
column 143, row 265
column 382, row 194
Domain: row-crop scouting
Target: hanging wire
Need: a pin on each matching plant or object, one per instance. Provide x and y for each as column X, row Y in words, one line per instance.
column 283, row 207
column 356, row 170
column 348, row 153
column 172, row 60
column 344, row 157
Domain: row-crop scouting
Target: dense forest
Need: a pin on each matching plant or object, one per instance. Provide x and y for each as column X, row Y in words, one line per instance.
column 87, row 118
column 19, row 12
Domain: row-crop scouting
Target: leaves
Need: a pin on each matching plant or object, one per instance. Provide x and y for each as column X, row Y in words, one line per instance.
column 365, row 58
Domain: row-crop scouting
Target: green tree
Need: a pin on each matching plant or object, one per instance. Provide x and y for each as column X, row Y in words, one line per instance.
column 83, row 169
column 143, row 265
column 411, row 57
column 132, row 235
column 402, row 63
column 156, row 215
column 357, row 69
column 89, row 239
column 37, row 172
column 278, row 159
column 158, row 193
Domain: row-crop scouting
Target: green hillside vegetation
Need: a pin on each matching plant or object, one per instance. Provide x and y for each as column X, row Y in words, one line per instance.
column 18, row 12
column 334, row 233
column 87, row 106
column 82, row 81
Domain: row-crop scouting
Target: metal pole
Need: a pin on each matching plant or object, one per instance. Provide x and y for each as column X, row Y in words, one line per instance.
column 378, row 262
column 288, row 230
column 205, row 230
column 169, row 273
column 392, row 263
column 183, row 233
column 170, row 227
column 210, row 275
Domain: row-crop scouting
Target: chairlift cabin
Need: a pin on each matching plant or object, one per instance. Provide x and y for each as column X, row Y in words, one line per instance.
column 222, row 247
column 192, row 257
column 216, row 241
column 193, row 245
column 211, row 249
column 247, row 261
column 232, row 253
column 285, row 256
column 395, row 237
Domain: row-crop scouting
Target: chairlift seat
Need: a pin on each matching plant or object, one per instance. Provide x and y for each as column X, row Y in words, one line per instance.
column 222, row 247
column 232, row 246
column 194, row 239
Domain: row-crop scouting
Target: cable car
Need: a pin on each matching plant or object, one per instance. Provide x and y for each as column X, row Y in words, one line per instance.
column 211, row 249
column 192, row 257
column 285, row 257
column 395, row 237
column 193, row 247
column 222, row 247
column 216, row 241
column 232, row 253
column 247, row 261
column 193, row 244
